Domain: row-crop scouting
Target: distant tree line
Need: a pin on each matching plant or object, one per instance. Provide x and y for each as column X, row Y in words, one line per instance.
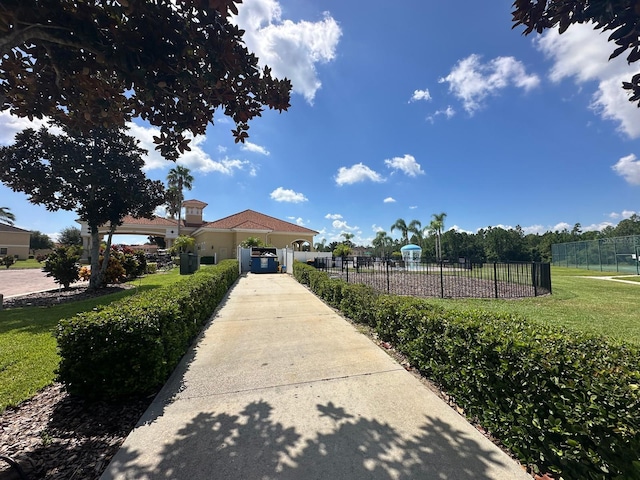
column 490, row 244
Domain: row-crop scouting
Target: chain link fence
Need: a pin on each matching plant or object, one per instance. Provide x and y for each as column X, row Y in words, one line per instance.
column 617, row 254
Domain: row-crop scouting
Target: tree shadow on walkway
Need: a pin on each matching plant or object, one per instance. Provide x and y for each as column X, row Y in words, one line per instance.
column 250, row 445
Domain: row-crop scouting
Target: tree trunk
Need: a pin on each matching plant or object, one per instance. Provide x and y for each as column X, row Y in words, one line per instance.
column 107, row 255
column 94, row 280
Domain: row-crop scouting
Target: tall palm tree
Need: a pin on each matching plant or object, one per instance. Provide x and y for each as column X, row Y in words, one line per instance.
column 404, row 230
column 436, row 226
column 382, row 242
column 180, row 178
column 415, row 227
column 6, row 216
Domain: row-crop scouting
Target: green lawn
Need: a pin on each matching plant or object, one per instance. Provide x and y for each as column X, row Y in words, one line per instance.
column 28, row 356
column 586, row 304
column 31, row 263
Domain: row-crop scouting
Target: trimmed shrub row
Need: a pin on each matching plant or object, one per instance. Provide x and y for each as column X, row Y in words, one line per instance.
column 130, row 347
column 564, row 403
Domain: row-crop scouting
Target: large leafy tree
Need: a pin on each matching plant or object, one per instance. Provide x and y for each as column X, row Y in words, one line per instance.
column 622, row 17
column 70, row 237
column 98, row 175
column 89, row 64
column 6, row 216
column 178, row 179
column 39, row 241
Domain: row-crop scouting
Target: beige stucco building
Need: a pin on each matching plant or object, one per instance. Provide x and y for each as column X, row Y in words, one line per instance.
column 14, row 241
column 219, row 238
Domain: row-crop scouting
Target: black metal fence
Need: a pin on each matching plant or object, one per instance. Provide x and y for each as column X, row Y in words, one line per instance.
column 444, row 280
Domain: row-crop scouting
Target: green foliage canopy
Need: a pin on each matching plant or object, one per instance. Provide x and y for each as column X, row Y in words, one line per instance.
column 99, row 64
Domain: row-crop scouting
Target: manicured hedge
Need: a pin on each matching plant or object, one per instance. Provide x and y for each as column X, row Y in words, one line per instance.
column 130, row 347
column 562, row 402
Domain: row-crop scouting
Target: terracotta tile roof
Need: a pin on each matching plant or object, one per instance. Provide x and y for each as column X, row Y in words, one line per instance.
column 157, row 221
column 251, row 220
column 194, row 203
column 8, row 228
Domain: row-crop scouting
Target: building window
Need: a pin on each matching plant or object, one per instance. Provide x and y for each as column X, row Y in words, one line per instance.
column 3, row 251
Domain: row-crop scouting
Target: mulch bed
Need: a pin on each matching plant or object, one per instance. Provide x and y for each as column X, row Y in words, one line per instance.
column 55, row 435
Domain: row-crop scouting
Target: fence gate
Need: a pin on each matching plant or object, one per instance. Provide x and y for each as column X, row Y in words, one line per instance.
column 245, row 259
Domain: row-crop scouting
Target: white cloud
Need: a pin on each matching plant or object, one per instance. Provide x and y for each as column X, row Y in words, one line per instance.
column 582, row 53
column 252, row 147
column 333, row 216
column 413, row 207
column 283, row 195
column 596, row 227
column 389, row 200
column 406, row 164
column 291, row 49
column 196, row 159
column 448, row 112
column 357, row 173
column 10, row 125
column 628, row 168
column 342, row 225
column 459, row 230
column 472, row 81
column 298, row 221
column 377, row 228
column 561, row 226
column 420, row 95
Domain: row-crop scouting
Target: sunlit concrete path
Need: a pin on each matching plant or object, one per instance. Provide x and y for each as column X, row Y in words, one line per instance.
column 279, row 386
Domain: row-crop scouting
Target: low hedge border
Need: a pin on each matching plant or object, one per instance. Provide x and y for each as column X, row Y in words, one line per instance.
column 564, row 403
column 130, row 347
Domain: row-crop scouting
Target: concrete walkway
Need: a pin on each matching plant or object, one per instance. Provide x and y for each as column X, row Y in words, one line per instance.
column 279, row 386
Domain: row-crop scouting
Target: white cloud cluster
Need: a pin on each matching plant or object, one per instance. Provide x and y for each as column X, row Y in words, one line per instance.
column 406, row 164
column 582, row 53
column 420, row 95
column 623, row 214
column 628, row 168
column 196, row 159
column 389, row 200
column 448, row 113
column 12, row 125
column 252, row 147
column 472, row 81
column 357, row 173
column 291, row 49
column 285, row 195
column 333, row 216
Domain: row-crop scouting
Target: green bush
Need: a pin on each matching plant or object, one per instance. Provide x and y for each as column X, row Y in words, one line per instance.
column 62, row 265
column 129, row 348
column 152, row 267
column 563, row 403
column 7, row 261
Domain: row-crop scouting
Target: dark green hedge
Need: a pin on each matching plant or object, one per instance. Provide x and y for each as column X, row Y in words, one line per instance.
column 130, row 347
column 562, row 402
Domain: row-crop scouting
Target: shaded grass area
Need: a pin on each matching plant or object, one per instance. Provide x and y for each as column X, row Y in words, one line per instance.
column 592, row 305
column 28, row 350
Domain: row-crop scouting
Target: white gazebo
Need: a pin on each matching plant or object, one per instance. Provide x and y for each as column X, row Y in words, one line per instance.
column 411, row 254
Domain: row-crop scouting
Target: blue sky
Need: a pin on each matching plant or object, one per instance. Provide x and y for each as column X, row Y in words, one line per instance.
column 404, row 112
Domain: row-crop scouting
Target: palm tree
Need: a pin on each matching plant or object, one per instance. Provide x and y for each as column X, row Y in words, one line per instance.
column 415, row 227
column 180, row 178
column 436, row 226
column 382, row 242
column 6, row 216
column 402, row 226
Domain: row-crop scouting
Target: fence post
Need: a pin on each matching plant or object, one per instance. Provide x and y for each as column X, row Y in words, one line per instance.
column 388, row 285
column 534, row 278
column 441, row 281
column 495, row 277
column 347, row 267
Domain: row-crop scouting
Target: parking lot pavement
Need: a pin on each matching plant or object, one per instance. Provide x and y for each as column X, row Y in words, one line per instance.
column 20, row 282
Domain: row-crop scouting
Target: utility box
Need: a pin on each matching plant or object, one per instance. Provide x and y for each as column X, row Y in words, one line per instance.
column 264, row 260
column 188, row 263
